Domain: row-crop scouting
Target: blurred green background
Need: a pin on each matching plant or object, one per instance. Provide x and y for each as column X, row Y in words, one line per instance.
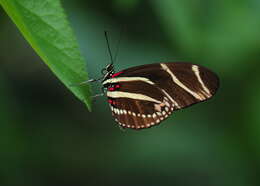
column 49, row 138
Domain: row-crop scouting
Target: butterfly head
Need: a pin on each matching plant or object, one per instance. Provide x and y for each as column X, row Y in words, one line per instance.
column 108, row 71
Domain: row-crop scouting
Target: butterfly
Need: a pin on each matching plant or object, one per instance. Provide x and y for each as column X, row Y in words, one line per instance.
column 143, row 96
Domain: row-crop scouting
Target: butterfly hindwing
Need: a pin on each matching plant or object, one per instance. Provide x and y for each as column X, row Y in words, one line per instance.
column 138, row 114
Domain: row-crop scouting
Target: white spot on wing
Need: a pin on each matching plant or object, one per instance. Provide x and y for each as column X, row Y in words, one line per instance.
column 167, row 104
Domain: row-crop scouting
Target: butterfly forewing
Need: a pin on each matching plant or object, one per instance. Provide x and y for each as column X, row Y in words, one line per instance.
column 143, row 96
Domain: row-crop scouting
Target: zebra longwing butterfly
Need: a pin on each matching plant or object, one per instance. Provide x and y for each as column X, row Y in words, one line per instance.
column 143, row 96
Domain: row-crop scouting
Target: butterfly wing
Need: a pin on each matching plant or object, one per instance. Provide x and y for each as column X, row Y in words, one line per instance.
column 139, row 105
column 143, row 96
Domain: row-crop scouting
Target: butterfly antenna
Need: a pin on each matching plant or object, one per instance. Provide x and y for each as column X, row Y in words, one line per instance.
column 118, row 44
column 108, row 47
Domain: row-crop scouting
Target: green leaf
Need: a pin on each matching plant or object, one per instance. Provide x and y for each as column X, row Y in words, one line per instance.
column 45, row 26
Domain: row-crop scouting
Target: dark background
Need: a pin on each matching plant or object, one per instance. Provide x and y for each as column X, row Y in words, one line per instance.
column 48, row 137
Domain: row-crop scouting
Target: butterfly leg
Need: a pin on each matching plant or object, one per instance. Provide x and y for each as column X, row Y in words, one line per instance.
column 97, row 95
column 86, row 82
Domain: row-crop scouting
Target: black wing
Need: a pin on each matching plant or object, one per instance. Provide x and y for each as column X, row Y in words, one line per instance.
column 148, row 94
